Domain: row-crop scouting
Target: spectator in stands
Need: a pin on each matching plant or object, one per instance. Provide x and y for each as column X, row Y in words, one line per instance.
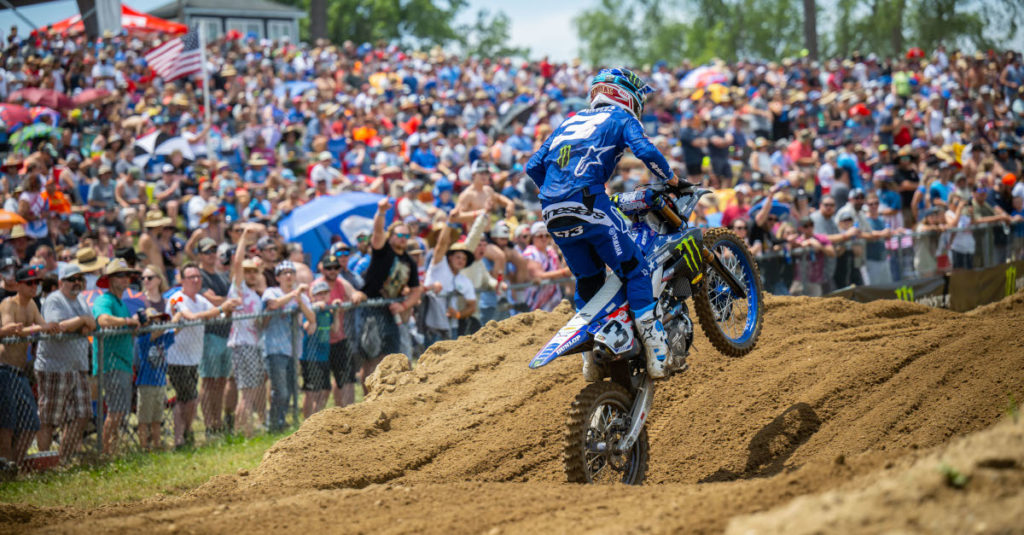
column 215, row 397
column 62, row 366
column 876, row 264
column 392, row 274
column 114, row 355
column 19, row 316
column 316, row 369
column 244, row 340
column 825, row 224
column 151, row 377
column 343, row 358
column 185, row 355
column 444, row 278
column 926, row 246
column 809, row 277
column 961, row 216
column 280, row 340
column 543, row 264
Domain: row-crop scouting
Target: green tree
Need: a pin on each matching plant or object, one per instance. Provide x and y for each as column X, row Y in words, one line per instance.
column 488, row 36
column 408, row 21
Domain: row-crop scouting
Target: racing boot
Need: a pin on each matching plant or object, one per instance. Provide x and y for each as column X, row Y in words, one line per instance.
column 655, row 343
column 592, row 371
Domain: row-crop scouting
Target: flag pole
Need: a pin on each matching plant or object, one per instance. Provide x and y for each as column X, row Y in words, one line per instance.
column 207, row 121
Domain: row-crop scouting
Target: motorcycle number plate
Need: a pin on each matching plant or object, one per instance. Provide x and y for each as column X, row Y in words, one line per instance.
column 616, row 335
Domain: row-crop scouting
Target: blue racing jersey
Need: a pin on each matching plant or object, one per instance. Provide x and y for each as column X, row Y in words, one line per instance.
column 582, row 153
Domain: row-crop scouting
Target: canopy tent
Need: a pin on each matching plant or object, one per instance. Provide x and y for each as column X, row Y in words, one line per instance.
column 315, row 223
column 131, row 20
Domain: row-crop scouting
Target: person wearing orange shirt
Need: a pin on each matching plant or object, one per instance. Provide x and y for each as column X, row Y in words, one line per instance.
column 59, row 203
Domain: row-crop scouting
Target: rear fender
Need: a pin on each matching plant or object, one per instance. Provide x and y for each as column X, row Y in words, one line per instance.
column 584, row 324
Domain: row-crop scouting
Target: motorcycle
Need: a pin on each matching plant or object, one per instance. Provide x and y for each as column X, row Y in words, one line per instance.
column 605, row 438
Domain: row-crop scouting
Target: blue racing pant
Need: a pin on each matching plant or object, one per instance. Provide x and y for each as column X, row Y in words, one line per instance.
column 592, row 234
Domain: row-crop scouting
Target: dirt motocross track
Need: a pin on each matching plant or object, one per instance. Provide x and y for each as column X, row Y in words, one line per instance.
column 838, row 422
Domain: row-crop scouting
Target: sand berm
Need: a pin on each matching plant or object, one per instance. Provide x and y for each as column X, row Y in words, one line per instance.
column 847, row 418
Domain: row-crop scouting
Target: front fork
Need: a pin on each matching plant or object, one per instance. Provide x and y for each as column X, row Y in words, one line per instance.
column 638, row 414
column 730, row 279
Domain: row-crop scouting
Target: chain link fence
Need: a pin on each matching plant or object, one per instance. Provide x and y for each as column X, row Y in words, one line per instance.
column 166, row 385
column 906, row 255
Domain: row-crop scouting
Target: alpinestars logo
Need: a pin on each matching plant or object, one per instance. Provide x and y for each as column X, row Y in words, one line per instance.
column 564, row 153
column 592, row 157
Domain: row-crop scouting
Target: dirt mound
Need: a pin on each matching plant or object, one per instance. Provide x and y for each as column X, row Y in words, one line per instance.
column 975, row 485
column 830, row 377
column 835, row 390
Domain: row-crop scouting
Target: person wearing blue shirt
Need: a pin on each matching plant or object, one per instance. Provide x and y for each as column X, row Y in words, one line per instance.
column 571, row 169
column 423, row 161
column 847, row 161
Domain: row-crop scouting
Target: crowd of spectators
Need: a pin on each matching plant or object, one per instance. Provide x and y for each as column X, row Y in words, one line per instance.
column 823, row 167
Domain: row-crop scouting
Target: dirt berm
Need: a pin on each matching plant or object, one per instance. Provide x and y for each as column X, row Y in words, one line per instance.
column 839, row 399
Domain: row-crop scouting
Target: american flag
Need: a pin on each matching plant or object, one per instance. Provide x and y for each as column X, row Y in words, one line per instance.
column 177, row 57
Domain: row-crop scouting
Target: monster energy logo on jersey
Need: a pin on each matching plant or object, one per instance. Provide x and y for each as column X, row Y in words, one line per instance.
column 563, row 155
column 1011, row 281
column 905, row 293
column 688, row 247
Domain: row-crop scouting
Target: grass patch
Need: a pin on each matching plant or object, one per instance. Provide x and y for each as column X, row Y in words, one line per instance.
column 136, row 476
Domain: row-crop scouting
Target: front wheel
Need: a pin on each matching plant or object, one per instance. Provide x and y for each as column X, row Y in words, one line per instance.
column 598, row 419
column 732, row 323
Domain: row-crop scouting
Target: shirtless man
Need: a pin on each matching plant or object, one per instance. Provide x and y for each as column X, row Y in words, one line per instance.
column 19, row 413
column 472, row 200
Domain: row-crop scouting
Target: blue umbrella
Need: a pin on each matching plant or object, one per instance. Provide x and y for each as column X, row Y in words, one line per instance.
column 314, row 224
column 294, row 88
column 780, row 209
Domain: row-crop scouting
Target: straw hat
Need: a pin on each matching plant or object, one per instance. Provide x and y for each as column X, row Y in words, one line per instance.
column 156, row 219
column 118, row 265
column 12, row 161
column 88, row 261
column 462, row 247
column 258, row 160
column 179, row 99
column 208, row 211
column 17, row 231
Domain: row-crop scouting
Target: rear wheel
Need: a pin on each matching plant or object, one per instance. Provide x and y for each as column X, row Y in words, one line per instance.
column 732, row 323
column 598, row 419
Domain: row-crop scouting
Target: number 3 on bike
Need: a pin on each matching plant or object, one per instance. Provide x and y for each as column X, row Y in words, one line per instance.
column 632, row 326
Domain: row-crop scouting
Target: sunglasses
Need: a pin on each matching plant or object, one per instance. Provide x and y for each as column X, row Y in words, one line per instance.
column 361, row 239
column 827, row 204
column 76, row 279
column 873, row 203
column 740, row 227
column 402, row 235
column 149, row 277
column 807, row 225
column 32, row 282
column 342, row 252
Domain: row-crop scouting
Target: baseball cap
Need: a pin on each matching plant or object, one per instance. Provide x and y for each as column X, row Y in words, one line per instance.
column 845, row 216
column 265, row 242
column 1009, row 179
column 166, row 168
column 207, row 245
column 69, row 270
column 538, row 228
column 856, row 193
column 319, row 286
column 29, row 274
column 283, row 266
column 501, row 230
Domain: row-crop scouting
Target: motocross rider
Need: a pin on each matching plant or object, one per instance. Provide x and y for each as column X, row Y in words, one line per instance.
column 571, row 169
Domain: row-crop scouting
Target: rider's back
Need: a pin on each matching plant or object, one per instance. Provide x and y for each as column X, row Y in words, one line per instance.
column 583, row 151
